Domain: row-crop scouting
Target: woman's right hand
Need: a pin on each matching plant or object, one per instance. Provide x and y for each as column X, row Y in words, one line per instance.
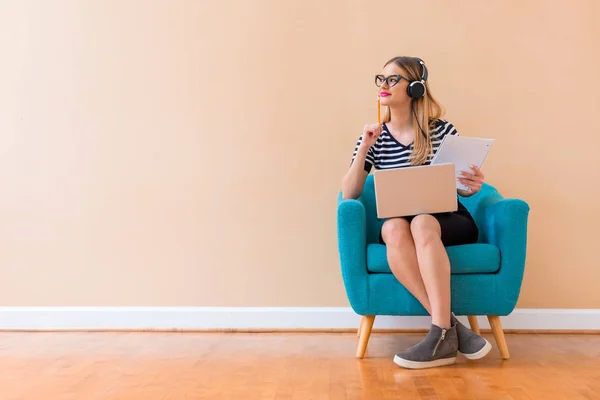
column 371, row 133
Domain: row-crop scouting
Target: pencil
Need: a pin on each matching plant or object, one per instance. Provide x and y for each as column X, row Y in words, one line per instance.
column 378, row 111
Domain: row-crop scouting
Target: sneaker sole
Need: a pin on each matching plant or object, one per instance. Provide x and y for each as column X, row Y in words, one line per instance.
column 423, row 364
column 480, row 354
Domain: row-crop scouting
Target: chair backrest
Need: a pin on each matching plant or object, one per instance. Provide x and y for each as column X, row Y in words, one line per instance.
column 374, row 224
column 368, row 199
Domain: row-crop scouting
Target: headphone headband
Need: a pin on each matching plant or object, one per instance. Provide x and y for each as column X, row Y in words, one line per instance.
column 423, row 70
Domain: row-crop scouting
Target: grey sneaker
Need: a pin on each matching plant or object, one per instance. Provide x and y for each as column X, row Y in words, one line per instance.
column 470, row 344
column 437, row 349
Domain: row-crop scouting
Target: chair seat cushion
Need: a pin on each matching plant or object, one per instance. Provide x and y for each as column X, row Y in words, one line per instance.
column 477, row 258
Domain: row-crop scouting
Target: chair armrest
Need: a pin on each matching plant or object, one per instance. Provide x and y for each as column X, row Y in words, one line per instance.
column 506, row 227
column 352, row 247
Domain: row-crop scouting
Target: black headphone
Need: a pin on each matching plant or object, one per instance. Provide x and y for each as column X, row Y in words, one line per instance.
column 416, row 89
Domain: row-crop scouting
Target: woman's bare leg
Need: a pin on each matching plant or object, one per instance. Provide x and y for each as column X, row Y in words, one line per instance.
column 402, row 258
column 434, row 266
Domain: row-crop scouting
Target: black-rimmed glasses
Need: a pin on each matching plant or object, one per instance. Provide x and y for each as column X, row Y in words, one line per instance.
column 391, row 80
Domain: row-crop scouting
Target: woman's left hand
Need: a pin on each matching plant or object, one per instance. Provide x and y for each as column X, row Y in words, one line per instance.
column 472, row 181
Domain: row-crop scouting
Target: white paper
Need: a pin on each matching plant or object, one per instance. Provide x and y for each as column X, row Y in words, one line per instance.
column 462, row 151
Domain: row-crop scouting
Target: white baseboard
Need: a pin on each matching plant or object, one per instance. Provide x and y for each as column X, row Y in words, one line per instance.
column 248, row 318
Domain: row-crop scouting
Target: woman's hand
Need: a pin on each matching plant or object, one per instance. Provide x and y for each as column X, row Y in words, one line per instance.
column 472, row 181
column 371, row 133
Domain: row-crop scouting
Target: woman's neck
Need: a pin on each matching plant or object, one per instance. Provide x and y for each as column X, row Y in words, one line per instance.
column 401, row 120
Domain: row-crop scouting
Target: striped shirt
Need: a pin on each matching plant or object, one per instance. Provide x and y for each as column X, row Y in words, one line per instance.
column 388, row 153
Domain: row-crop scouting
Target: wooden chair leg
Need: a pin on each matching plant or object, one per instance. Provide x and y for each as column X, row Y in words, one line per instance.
column 499, row 335
column 366, row 325
column 474, row 324
column 360, row 326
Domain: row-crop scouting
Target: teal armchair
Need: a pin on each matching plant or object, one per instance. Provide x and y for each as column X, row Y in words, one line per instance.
column 486, row 277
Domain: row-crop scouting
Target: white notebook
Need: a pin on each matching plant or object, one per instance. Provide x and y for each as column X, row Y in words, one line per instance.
column 462, row 151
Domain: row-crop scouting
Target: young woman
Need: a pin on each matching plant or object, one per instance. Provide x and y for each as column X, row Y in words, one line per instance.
column 411, row 133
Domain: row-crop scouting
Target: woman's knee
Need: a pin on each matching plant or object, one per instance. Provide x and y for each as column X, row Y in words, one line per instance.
column 425, row 229
column 396, row 232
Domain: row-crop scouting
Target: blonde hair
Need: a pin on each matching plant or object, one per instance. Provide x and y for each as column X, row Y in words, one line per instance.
column 426, row 108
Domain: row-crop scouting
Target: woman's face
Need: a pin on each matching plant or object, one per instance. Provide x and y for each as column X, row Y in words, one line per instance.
column 392, row 93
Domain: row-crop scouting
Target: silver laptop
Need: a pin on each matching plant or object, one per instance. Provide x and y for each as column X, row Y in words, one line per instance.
column 409, row 191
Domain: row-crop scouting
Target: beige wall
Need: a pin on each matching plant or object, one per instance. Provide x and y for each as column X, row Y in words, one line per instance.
column 137, row 139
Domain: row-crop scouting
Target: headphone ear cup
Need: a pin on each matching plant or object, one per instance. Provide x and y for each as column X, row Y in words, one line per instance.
column 416, row 90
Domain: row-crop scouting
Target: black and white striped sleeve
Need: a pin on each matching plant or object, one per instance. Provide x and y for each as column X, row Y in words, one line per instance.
column 442, row 129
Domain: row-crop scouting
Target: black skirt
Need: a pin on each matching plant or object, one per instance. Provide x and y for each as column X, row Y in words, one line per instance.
column 457, row 227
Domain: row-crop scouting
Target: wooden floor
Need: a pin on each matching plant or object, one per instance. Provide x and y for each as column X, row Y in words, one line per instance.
column 131, row 366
